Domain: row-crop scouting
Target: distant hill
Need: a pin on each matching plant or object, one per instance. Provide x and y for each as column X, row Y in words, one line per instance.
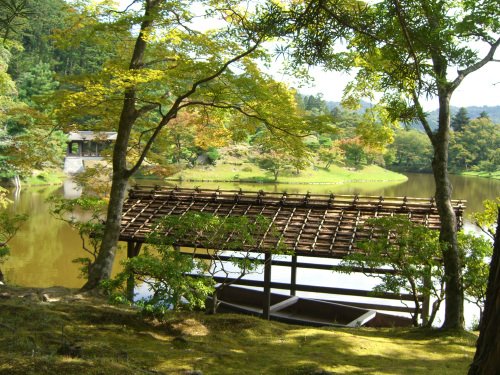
column 364, row 105
column 473, row 112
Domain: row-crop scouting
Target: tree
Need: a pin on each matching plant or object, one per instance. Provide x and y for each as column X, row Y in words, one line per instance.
column 484, row 115
column 27, row 141
column 174, row 68
column 485, row 220
column 354, row 151
column 9, row 225
column 477, row 143
column 487, row 357
column 412, row 150
column 460, row 120
column 332, row 154
column 411, row 250
column 474, row 250
column 36, row 82
column 84, row 215
column 275, row 162
column 13, row 14
column 406, row 50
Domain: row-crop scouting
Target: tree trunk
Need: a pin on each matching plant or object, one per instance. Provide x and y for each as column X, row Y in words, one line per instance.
column 487, row 357
column 454, row 311
column 102, row 267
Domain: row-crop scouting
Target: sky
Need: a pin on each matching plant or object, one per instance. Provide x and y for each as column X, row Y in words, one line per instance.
column 481, row 88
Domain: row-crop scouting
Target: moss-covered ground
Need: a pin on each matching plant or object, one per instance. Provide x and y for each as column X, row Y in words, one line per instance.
column 93, row 337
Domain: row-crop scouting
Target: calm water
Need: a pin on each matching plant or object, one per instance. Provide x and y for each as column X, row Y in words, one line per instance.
column 42, row 251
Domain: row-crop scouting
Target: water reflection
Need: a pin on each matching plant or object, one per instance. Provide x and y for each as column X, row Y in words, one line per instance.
column 43, row 249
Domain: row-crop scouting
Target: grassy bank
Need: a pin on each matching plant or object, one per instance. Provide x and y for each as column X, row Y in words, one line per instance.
column 40, row 178
column 492, row 175
column 107, row 339
column 249, row 172
column 240, row 163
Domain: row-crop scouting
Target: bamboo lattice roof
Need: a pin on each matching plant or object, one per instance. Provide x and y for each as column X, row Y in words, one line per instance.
column 311, row 225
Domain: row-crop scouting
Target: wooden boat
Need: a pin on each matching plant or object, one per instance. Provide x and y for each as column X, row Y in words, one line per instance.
column 304, row 311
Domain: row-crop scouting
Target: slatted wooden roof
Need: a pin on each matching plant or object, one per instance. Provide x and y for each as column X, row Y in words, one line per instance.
column 311, row 225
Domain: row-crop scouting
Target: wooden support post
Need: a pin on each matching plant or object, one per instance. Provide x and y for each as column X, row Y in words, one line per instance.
column 267, row 286
column 426, row 303
column 293, row 276
column 132, row 251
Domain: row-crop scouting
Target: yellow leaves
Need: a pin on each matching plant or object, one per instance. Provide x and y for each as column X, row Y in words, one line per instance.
column 131, row 78
column 110, row 85
column 4, row 201
column 211, row 136
column 376, row 131
column 166, row 37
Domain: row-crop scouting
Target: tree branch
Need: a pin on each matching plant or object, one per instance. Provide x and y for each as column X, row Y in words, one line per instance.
column 238, row 108
column 407, row 37
column 172, row 113
column 423, row 118
column 478, row 65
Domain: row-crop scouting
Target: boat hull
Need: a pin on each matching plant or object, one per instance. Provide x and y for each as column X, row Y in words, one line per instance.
column 304, row 311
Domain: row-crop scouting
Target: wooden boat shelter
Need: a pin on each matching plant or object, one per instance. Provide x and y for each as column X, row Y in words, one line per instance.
column 325, row 226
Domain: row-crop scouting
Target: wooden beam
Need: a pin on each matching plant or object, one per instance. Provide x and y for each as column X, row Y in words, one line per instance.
column 363, row 319
column 283, row 304
column 426, row 303
column 293, row 276
column 316, row 289
column 133, row 250
column 266, row 313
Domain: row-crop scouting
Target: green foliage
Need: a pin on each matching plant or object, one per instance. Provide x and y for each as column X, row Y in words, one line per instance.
column 213, row 155
column 202, row 89
column 4, row 201
column 277, row 161
column 84, row 215
column 487, row 219
column 95, row 180
column 476, row 146
column 209, row 231
column 354, row 152
column 167, row 271
column 475, row 252
column 9, row 225
column 412, row 250
column 332, row 154
column 412, row 151
column 38, row 81
column 415, row 253
column 12, row 17
column 460, row 120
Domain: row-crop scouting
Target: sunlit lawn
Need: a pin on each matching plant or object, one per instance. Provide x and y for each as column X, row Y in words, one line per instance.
column 493, row 175
column 248, row 172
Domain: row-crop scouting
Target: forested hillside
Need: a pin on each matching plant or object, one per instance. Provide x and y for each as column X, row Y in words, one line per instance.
column 35, row 64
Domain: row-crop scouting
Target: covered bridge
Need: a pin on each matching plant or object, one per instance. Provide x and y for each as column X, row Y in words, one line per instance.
column 325, row 226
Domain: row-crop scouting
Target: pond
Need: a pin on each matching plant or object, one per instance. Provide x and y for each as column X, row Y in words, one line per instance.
column 43, row 250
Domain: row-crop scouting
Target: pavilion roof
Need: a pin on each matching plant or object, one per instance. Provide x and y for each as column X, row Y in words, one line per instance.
column 310, row 225
column 88, row 135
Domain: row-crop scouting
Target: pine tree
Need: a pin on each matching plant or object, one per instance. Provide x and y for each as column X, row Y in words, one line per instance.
column 460, row 120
